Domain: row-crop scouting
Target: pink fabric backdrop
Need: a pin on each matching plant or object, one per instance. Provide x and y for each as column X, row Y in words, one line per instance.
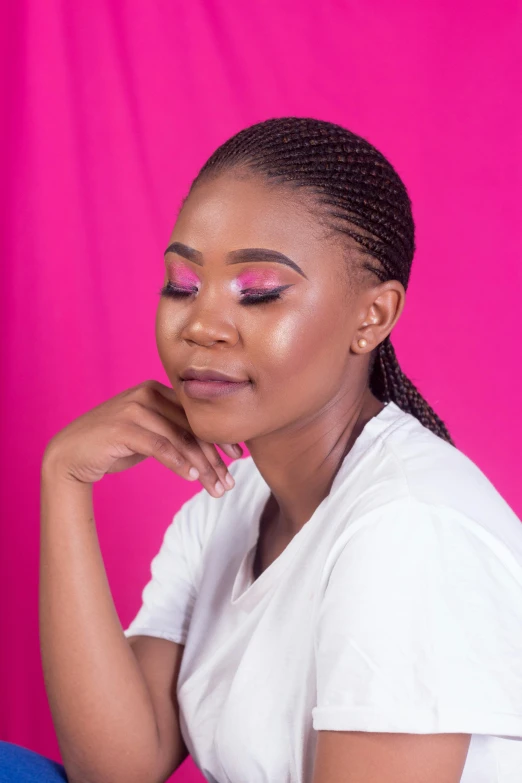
column 110, row 110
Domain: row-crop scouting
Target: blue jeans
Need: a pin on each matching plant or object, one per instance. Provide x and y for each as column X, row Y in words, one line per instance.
column 21, row 765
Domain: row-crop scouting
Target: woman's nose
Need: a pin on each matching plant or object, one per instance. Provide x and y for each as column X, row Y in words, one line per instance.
column 209, row 324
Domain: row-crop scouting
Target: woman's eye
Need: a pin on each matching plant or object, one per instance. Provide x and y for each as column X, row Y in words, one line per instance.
column 248, row 295
column 176, row 293
column 251, row 296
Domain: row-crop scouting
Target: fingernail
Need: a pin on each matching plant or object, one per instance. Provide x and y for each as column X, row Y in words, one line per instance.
column 194, row 473
column 237, row 450
column 219, row 487
column 229, row 481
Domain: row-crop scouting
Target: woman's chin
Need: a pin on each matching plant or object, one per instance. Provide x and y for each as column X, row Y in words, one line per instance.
column 213, row 434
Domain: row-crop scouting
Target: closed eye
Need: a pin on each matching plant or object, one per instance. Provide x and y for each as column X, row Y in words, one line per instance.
column 252, row 296
column 248, row 295
column 176, row 293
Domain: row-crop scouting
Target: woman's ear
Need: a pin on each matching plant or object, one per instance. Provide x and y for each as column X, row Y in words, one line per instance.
column 383, row 307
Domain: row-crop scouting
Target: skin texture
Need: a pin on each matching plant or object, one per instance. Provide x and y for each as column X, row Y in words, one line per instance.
column 308, row 397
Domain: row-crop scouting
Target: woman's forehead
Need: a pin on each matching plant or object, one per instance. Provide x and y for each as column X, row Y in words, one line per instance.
column 232, row 213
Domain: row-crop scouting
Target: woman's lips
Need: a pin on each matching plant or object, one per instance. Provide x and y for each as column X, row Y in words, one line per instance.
column 201, row 390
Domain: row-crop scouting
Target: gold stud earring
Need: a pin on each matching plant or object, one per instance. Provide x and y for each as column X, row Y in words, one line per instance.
column 362, row 343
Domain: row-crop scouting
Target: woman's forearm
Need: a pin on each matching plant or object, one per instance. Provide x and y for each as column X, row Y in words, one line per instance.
column 102, row 712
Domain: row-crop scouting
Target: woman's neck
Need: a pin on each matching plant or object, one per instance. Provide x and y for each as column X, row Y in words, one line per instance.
column 300, row 467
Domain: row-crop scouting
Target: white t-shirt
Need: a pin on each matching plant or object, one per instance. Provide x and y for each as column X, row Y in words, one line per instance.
column 396, row 608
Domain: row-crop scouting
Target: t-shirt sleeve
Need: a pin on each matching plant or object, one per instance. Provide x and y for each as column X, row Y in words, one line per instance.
column 168, row 598
column 420, row 628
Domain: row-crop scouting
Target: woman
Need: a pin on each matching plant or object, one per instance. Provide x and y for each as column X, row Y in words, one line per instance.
column 345, row 604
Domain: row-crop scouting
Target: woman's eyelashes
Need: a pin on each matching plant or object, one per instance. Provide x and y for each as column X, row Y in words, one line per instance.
column 253, row 296
column 176, row 293
column 248, row 295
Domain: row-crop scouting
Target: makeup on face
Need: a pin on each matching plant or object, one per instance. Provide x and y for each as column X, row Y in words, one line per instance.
column 263, row 279
column 184, row 277
column 204, row 390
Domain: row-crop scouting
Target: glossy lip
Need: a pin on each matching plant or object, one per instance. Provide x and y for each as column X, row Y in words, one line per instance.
column 193, row 374
column 204, row 390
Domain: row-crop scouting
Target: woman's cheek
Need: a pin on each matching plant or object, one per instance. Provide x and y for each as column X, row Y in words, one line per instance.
column 167, row 327
column 285, row 342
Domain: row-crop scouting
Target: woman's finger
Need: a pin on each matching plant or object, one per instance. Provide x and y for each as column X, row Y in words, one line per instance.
column 185, row 445
column 233, row 450
column 214, row 457
column 163, row 399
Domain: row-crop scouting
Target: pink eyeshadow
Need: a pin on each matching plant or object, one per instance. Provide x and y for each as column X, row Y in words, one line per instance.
column 259, row 279
column 182, row 275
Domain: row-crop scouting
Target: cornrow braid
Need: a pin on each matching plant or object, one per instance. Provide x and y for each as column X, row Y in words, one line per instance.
column 362, row 197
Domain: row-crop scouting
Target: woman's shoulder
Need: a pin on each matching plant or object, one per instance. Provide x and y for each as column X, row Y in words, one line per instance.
column 409, row 462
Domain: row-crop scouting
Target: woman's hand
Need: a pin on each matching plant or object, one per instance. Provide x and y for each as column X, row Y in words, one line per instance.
column 145, row 421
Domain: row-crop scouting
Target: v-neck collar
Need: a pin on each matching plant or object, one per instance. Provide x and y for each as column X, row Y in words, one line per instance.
column 246, row 592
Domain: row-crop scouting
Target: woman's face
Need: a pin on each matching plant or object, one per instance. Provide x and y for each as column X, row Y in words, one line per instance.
column 293, row 351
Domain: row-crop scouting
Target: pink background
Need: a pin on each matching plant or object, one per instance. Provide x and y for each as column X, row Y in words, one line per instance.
column 110, row 110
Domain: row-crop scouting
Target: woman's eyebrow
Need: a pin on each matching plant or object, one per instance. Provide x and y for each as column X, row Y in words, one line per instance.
column 236, row 256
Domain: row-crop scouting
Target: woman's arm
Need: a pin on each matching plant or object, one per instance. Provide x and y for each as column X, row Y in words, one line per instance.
column 377, row 757
column 103, row 708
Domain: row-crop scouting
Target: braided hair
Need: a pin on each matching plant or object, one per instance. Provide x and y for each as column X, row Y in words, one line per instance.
column 362, row 197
